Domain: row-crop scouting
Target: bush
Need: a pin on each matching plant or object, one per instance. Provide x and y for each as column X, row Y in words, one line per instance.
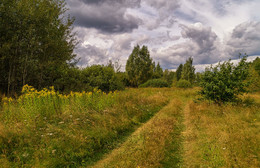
column 183, row 84
column 159, row 83
column 225, row 82
column 102, row 77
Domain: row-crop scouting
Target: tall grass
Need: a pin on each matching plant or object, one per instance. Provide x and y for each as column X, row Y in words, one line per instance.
column 223, row 136
column 48, row 129
column 158, row 142
column 48, row 103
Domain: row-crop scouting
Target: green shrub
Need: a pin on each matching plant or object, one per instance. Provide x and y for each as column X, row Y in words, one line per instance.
column 183, row 84
column 155, row 83
column 225, row 82
column 102, row 77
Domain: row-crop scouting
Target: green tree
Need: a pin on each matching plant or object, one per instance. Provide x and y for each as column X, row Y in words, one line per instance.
column 102, row 77
column 197, row 78
column 179, row 72
column 36, row 39
column 225, row 81
column 254, row 75
column 158, row 71
column 256, row 65
column 139, row 66
column 169, row 76
column 188, row 72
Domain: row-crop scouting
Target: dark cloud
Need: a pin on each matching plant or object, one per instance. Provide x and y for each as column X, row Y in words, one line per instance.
column 205, row 48
column 164, row 4
column 105, row 30
column 91, row 55
column 245, row 38
column 122, row 3
column 165, row 9
column 107, row 16
column 202, row 45
column 202, row 36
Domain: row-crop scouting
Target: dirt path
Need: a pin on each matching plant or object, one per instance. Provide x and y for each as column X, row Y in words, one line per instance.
column 147, row 145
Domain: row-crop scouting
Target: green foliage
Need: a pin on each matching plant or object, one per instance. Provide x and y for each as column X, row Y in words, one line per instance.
column 256, row 65
column 75, row 130
column 254, row 76
column 183, row 84
column 102, row 77
column 225, row 81
column 188, row 71
column 96, row 76
column 197, row 79
column 158, row 83
column 179, row 72
column 169, row 76
column 139, row 66
column 158, row 71
column 36, row 42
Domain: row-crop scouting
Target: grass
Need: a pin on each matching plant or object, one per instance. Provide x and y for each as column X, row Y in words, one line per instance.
column 157, row 142
column 73, row 130
column 145, row 127
column 144, row 148
column 222, row 136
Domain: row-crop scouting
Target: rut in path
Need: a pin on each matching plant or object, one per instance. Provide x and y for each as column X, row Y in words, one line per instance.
column 146, row 147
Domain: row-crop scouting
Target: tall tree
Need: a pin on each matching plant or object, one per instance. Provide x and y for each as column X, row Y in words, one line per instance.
column 188, row 72
column 36, row 40
column 169, row 76
column 158, row 71
column 179, row 72
column 139, row 66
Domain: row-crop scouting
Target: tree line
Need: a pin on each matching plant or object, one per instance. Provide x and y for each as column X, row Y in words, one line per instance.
column 36, row 48
column 37, row 44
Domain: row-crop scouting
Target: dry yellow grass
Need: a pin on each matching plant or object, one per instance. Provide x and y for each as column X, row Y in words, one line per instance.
column 221, row 136
column 214, row 136
column 79, row 134
column 145, row 147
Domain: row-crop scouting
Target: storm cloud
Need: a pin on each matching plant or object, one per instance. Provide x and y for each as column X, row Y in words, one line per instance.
column 208, row 31
column 245, row 38
column 201, row 43
column 107, row 16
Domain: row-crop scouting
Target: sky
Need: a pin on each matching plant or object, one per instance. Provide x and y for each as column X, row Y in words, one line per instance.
column 209, row 31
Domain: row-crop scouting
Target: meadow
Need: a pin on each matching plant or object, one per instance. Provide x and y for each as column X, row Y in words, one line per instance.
column 144, row 127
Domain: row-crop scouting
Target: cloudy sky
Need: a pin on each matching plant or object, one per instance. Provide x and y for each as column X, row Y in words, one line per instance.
column 206, row 30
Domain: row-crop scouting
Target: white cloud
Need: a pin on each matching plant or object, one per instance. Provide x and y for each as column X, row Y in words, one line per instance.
column 207, row 30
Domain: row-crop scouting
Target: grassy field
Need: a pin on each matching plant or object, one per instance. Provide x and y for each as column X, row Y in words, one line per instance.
column 144, row 127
